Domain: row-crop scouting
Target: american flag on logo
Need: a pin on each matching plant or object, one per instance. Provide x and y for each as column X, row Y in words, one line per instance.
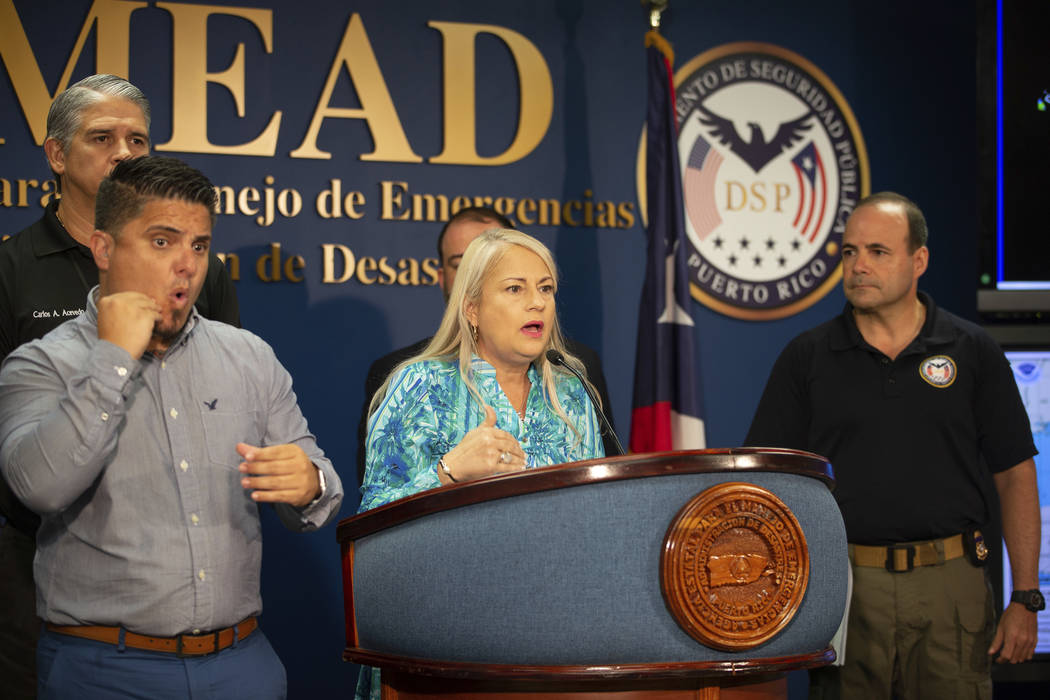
column 813, row 192
column 700, row 172
column 667, row 412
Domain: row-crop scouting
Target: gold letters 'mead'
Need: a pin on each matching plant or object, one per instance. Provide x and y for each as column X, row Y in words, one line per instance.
column 110, row 19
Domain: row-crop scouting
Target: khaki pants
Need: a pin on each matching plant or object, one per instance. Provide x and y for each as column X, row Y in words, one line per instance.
column 922, row 634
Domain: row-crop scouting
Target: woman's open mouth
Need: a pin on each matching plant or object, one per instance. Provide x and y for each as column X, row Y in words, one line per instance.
column 533, row 329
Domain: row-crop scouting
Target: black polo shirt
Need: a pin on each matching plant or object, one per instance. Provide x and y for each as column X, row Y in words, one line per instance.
column 45, row 277
column 911, row 440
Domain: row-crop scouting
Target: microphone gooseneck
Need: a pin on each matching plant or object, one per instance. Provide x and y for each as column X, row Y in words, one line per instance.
column 556, row 358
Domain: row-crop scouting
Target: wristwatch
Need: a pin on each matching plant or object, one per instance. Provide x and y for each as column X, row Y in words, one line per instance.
column 1033, row 599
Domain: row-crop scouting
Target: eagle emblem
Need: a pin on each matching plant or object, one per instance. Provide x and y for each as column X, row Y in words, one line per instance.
column 756, row 151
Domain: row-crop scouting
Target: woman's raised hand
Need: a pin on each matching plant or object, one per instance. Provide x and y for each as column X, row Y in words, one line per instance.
column 485, row 450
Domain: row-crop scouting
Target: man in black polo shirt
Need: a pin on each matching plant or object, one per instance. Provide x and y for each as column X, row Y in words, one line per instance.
column 914, row 407
column 464, row 226
column 46, row 272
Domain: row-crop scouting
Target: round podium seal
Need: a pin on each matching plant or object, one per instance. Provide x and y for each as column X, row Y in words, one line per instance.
column 734, row 567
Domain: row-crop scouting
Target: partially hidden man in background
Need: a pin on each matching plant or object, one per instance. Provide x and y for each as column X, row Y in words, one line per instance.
column 464, row 226
column 46, row 271
column 145, row 436
column 919, row 413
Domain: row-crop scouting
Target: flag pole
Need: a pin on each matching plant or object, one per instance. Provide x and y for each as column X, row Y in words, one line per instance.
column 667, row 410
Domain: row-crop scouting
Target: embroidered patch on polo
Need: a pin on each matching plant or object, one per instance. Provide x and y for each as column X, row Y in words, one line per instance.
column 938, row 371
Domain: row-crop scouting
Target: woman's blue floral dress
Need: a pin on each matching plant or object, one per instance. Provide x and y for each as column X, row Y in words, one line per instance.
column 426, row 412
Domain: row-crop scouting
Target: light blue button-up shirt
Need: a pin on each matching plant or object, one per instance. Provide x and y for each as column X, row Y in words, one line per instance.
column 132, row 465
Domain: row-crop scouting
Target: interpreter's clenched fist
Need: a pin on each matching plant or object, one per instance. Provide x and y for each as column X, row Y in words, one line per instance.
column 126, row 319
column 279, row 474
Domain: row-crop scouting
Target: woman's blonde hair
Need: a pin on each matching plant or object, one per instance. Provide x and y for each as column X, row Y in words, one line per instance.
column 454, row 338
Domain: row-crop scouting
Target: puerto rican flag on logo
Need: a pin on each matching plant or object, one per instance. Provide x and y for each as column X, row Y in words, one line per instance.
column 813, row 192
column 667, row 413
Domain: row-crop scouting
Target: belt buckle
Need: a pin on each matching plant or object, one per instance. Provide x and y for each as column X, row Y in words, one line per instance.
column 891, row 562
column 180, row 654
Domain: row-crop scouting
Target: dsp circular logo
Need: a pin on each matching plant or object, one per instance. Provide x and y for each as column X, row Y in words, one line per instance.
column 938, row 371
column 773, row 164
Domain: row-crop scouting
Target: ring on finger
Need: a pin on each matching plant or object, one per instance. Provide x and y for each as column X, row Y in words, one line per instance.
column 504, row 457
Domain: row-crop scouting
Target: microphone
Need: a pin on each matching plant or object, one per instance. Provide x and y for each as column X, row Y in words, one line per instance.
column 556, row 358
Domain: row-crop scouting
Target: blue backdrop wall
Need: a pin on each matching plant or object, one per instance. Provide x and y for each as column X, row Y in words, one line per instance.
column 331, row 292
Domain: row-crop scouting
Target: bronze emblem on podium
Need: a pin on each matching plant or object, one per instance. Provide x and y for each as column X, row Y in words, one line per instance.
column 734, row 566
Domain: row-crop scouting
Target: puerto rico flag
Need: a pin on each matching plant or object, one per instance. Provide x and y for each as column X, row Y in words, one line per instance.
column 813, row 192
column 667, row 412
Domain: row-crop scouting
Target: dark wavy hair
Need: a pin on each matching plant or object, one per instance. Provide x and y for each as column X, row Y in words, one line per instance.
column 132, row 183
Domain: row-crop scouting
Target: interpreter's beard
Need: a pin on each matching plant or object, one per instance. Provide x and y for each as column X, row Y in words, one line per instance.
column 165, row 332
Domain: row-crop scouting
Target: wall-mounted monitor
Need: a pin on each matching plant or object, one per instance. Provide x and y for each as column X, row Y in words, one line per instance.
column 1028, row 351
column 1013, row 88
column 1032, row 372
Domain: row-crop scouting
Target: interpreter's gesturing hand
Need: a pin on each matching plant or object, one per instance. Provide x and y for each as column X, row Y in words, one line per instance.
column 279, row 474
column 126, row 319
column 483, row 451
column 1016, row 635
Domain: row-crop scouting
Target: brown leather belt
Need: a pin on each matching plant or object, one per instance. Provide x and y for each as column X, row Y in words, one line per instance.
column 905, row 557
column 182, row 645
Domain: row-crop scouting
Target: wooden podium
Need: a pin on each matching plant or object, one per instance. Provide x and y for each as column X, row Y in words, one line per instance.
column 702, row 574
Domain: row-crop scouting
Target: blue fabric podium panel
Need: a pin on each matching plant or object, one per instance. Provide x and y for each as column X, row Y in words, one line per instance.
column 572, row 577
